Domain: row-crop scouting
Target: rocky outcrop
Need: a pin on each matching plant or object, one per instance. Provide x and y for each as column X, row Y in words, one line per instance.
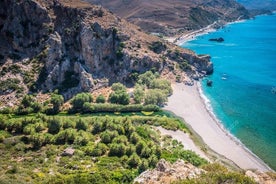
column 168, row 173
column 261, row 178
column 74, row 46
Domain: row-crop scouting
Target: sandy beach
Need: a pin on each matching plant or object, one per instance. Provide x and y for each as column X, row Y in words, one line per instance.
column 187, row 103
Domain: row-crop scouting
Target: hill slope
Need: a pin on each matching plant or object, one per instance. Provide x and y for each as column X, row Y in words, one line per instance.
column 74, row 46
column 177, row 16
column 259, row 4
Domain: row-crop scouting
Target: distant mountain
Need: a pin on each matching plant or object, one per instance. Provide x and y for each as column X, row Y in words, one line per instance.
column 259, row 4
column 171, row 17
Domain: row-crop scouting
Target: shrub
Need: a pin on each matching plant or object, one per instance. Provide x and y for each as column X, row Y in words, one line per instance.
column 138, row 94
column 100, row 99
column 119, row 94
column 66, row 136
column 146, row 78
column 57, row 101
column 120, row 139
column 79, row 100
column 81, row 125
column 54, row 126
column 161, row 84
column 97, row 127
column 99, row 150
column 157, row 47
column 134, row 160
column 117, row 150
column 155, row 97
column 144, row 165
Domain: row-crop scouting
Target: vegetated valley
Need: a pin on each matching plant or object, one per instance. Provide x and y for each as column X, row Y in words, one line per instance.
column 80, row 97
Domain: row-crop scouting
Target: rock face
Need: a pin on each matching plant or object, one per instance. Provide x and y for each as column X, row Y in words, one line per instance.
column 173, row 17
column 260, row 178
column 168, row 173
column 74, row 46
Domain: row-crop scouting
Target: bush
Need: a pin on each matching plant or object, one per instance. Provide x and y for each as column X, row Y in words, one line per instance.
column 54, row 126
column 81, row 125
column 99, row 150
column 117, row 150
column 119, row 97
column 79, row 100
column 155, row 97
column 100, row 99
column 138, row 94
column 134, row 160
column 146, row 78
column 57, row 101
column 162, row 84
column 65, row 136
column 144, row 165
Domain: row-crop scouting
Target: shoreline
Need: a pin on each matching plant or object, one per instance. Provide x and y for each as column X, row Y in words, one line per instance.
column 188, row 103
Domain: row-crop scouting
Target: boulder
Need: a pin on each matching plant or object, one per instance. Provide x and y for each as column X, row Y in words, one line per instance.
column 68, row 152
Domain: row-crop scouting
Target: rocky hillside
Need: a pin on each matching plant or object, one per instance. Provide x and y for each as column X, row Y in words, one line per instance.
column 74, row 46
column 259, row 4
column 173, row 17
column 181, row 172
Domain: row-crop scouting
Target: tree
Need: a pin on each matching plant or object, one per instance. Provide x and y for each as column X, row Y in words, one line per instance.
column 27, row 101
column 144, row 165
column 119, row 94
column 54, row 126
column 118, row 87
column 162, row 84
column 57, row 101
column 100, row 99
column 81, row 125
column 134, row 160
column 79, row 100
column 138, row 94
column 117, row 150
column 146, row 78
column 119, row 97
column 155, row 97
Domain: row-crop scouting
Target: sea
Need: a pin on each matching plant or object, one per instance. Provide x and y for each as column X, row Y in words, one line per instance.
column 243, row 94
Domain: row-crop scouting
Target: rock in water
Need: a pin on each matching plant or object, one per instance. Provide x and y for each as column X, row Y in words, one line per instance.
column 209, row 83
column 216, row 39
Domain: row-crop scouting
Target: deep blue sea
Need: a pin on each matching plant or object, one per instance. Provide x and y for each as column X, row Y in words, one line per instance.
column 243, row 95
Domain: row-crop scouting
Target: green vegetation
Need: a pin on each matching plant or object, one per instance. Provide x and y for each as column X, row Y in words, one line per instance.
column 157, row 47
column 107, row 149
column 100, row 99
column 119, row 94
column 9, row 85
column 78, row 102
column 157, row 91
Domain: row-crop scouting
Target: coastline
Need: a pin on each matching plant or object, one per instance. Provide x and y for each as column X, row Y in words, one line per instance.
column 188, row 103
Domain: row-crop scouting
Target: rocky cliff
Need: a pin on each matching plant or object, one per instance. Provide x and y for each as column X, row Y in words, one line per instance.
column 174, row 17
column 74, row 46
column 182, row 173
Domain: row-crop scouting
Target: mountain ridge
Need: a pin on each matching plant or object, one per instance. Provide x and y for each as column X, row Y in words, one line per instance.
column 175, row 17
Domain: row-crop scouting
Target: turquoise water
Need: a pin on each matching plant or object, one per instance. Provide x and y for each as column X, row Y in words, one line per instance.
column 243, row 95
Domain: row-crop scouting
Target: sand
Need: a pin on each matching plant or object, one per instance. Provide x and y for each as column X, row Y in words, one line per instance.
column 187, row 103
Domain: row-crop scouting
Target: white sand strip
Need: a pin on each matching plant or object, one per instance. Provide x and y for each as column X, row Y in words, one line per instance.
column 187, row 103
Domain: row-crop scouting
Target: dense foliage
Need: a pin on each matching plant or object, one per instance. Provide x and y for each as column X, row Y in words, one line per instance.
column 114, row 148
